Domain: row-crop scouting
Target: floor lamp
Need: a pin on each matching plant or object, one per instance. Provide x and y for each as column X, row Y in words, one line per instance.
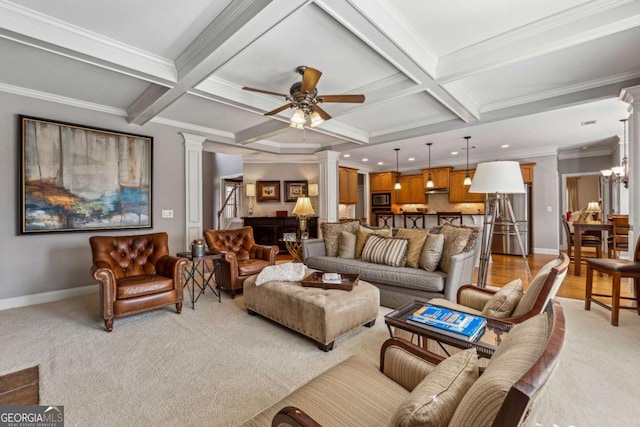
column 496, row 179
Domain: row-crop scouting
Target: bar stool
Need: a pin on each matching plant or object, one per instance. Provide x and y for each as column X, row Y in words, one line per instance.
column 385, row 216
column 449, row 217
column 617, row 268
column 414, row 217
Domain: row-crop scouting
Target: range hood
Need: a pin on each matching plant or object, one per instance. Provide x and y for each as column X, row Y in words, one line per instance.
column 436, row 191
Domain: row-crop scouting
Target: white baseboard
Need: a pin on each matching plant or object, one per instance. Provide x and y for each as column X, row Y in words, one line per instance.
column 41, row 298
column 546, row 251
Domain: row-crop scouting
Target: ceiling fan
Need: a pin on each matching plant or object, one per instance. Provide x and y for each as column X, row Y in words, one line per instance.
column 303, row 96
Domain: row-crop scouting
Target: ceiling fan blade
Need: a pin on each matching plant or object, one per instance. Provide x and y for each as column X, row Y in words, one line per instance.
column 310, row 79
column 323, row 114
column 341, row 98
column 268, row 92
column 277, row 110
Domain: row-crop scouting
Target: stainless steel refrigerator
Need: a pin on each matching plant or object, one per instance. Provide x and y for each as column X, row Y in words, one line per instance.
column 504, row 235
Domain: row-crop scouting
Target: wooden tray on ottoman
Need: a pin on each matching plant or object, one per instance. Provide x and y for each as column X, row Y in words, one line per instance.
column 314, row 280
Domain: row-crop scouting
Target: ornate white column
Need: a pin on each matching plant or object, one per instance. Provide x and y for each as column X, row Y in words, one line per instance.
column 193, row 186
column 328, row 185
column 631, row 95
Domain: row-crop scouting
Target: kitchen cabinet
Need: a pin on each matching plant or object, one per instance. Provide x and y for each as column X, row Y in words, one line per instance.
column 458, row 192
column 439, row 176
column 411, row 191
column 527, row 172
column 348, row 186
column 382, row 181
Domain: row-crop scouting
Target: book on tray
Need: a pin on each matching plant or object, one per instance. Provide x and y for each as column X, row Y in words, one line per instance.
column 331, row 278
column 449, row 322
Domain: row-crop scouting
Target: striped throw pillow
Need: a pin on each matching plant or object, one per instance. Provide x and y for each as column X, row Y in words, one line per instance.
column 385, row 250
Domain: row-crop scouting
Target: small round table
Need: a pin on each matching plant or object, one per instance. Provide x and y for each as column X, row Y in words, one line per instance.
column 294, row 247
column 196, row 270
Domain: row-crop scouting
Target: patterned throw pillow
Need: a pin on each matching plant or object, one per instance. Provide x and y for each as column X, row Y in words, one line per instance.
column 416, row 242
column 385, row 250
column 435, row 399
column 347, row 245
column 457, row 239
column 331, row 234
column 503, row 302
column 431, row 252
column 364, row 232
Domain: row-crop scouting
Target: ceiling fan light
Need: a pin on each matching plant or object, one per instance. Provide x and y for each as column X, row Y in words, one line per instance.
column 316, row 119
column 296, row 126
column 298, row 117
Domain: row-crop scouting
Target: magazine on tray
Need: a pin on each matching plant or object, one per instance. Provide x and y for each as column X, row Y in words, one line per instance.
column 444, row 319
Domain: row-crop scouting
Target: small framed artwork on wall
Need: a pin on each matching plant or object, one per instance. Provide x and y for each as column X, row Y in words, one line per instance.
column 268, row 191
column 294, row 189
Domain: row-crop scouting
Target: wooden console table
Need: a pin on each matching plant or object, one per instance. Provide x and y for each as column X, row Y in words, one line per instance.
column 269, row 230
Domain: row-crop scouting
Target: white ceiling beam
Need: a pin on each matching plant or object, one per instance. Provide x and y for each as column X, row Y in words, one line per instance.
column 36, row 29
column 262, row 131
column 239, row 25
column 578, row 25
column 373, row 25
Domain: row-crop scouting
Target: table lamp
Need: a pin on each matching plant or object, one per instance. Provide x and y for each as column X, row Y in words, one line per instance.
column 250, row 191
column 303, row 210
column 496, row 179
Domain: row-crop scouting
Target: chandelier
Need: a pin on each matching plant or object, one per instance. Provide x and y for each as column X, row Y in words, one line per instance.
column 619, row 174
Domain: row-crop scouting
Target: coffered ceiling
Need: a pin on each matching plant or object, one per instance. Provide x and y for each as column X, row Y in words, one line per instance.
column 526, row 74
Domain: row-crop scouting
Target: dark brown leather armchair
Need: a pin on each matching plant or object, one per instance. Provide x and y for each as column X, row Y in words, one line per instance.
column 137, row 274
column 242, row 257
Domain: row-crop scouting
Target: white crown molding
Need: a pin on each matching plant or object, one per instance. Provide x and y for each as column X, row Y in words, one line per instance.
column 560, row 91
column 584, row 23
column 44, row 96
column 261, row 158
column 583, row 154
column 43, row 31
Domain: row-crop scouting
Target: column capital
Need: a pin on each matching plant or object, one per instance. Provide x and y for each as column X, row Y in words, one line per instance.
column 630, row 95
column 193, row 141
column 328, row 155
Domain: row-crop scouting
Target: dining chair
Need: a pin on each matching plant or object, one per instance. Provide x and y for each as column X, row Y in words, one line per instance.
column 588, row 240
column 618, row 241
column 618, row 269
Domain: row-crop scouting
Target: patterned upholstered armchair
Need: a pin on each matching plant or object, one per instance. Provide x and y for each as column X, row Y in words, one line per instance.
column 242, row 257
column 136, row 274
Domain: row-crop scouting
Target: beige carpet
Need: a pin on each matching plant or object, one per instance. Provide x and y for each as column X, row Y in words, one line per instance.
column 217, row 366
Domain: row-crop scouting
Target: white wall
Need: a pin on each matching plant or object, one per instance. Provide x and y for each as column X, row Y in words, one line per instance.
column 33, row 264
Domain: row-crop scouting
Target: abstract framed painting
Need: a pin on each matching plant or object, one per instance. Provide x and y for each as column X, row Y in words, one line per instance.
column 80, row 178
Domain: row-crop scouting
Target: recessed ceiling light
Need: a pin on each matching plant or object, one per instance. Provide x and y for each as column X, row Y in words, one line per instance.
column 365, row 160
column 454, row 153
column 411, row 159
column 504, row 146
column 347, row 155
column 381, row 163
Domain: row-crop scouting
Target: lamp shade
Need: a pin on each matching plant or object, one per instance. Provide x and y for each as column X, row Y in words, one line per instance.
column 303, row 207
column 498, row 177
column 313, row 189
column 250, row 190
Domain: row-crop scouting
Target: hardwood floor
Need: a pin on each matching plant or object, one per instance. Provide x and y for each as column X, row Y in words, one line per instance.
column 507, row 267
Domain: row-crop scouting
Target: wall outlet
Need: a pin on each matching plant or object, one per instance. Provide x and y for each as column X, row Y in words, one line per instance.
column 549, row 209
column 167, row 213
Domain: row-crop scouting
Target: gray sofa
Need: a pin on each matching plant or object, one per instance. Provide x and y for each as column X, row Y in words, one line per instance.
column 398, row 285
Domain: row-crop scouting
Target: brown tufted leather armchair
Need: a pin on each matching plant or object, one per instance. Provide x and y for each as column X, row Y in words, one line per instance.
column 242, row 257
column 137, row 274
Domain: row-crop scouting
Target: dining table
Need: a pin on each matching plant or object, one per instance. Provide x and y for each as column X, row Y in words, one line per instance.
column 578, row 231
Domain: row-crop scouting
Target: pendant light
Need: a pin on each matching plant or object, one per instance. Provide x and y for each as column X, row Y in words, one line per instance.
column 397, row 186
column 467, row 178
column 429, row 181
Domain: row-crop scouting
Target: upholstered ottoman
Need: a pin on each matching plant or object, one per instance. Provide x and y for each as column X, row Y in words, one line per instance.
column 322, row 315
